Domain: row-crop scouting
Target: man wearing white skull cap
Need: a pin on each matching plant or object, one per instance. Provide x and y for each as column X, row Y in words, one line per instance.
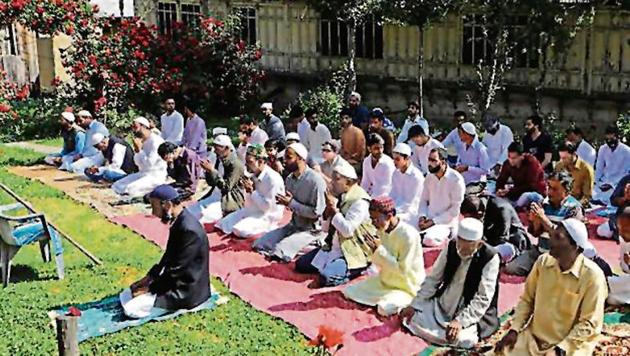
column 457, row 303
column 562, row 308
column 73, row 141
column 89, row 156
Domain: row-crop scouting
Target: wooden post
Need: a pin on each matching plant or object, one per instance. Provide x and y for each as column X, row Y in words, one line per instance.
column 67, row 341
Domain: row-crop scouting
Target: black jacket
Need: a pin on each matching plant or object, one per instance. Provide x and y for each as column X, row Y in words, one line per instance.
column 502, row 224
column 181, row 279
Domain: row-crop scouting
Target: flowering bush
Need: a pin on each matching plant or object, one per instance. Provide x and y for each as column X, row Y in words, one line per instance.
column 129, row 64
column 10, row 92
column 48, row 16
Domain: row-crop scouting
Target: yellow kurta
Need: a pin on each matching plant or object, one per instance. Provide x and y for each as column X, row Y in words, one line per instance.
column 566, row 308
column 401, row 272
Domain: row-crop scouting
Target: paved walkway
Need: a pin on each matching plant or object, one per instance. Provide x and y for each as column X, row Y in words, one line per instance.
column 34, row 146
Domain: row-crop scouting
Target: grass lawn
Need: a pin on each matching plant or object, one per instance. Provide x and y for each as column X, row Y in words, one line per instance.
column 233, row 328
column 53, row 141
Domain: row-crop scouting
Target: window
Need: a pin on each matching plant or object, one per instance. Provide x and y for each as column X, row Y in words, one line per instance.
column 190, row 14
column 247, row 17
column 10, row 41
column 525, row 53
column 475, row 45
column 334, row 39
column 166, row 17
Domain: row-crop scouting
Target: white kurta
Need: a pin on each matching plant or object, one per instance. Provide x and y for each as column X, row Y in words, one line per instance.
column 172, row 127
column 151, row 170
column 261, row 213
column 453, row 143
column 302, row 129
column 497, row 144
column 314, row 141
column 586, row 152
column 91, row 155
column 400, row 265
column 406, row 192
column 258, row 136
column 118, row 157
column 420, row 155
column 619, row 293
column 440, row 202
column 611, row 166
column 377, row 181
column 433, row 314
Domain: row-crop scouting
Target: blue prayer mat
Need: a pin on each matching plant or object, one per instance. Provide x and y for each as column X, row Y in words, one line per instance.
column 106, row 316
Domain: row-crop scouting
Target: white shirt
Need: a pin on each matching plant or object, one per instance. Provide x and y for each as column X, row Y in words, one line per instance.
column 442, row 198
column 118, row 156
column 453, row 143
column 172, row 127
column 612, row 165
column 476, row 158
column 377, row 181
column 302, row 129
column 586, row 152
column 148, row 160
column 497, row 144
column 258, row 136
column 407, row 190
column 314, row 141
column 408, row 124
column 268, row 184
column 420, row 155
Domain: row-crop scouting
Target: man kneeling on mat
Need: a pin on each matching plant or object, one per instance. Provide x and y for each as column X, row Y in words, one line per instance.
column 181, row 279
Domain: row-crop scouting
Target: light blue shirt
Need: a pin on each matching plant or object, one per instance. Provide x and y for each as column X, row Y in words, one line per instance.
column 79, row 143
column 476, row 158
column 404, row 133
column 95, row 127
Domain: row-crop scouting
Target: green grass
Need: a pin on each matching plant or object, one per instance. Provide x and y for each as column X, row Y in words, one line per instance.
column 233, row 328
column 52, row 141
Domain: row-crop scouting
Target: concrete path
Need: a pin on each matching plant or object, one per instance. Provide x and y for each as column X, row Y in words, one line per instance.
column 34, row 146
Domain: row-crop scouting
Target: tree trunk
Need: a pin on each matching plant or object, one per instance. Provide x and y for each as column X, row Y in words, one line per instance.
column 121, row 6
column 421, row 70
column 541, row 80
column 351, row 71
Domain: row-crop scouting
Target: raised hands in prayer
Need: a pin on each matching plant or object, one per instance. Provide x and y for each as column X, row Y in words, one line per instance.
column 461, row 168
column 284, row 199
column 372, row 241
column 248, row 184
column 137, row 144
column 206, row 165
column 424, row 223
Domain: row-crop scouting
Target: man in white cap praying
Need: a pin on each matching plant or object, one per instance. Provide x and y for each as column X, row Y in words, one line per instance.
column 407, row 184
column 73, row 141
column 151, row 167
column 225, row 177
column 457, row 303
column 378, row 168
column 561, row 311
column 472, row 158
column 271, row 123
column 118, row 159
column 260, row 213
column 351, row 237
column 305, row 197
column 90, row 156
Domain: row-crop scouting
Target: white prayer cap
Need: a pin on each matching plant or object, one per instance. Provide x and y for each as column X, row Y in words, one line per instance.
column 299, row 149
column 345, row 169
column 356, row 95
column 142, row 121
column 223, row 141
column 219, row 131
column 403, row 149
column 470, row 229
column 293, row 136
column 266, row 106
column 469, row 128
column 84, row 113
column 68, row 116
column 97, row 138
column 577, row 231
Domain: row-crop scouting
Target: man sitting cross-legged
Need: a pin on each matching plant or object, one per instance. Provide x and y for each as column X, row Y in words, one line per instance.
column 73, row 141
column 561, row 311
column 351, row 237
column 118, row 159
column 457, row 303
column 399, row 261
column 181, row 279
column 261, row 213
column 305, row 197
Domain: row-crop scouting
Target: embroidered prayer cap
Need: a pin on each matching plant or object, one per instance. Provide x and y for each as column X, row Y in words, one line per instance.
column 223, row 141
column 299, row 149
column 403, row 149
column 84, row 113
column 469, row 128
column 578, row 232
column 257, row 150
column 470, row 229
column 68, row 116
column 383, row 204
column 219, row 131
column 266, row 106
column 97, row 138
column 142, row 121
column 345, row 169
column 293, row 136
column 164, row 192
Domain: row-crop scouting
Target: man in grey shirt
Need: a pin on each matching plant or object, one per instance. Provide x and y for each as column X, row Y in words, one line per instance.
column 272, row 124
column 305, row 197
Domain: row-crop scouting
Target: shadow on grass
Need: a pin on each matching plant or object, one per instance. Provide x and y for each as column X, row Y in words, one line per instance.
column 24, row 273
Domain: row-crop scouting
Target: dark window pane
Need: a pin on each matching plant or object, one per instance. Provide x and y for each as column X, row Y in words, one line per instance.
column 325, row 37
column 334, row 39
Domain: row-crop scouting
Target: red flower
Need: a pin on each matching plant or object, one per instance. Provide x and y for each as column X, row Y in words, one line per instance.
column 73, row 311
column 3, row 7
column 40, row 10
column 4, row 107
column 327, row 337
column 139, row 54
column 22, row 93
column 99, row 103
column 257, row 54
column 92, row 60
column 18, row 4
